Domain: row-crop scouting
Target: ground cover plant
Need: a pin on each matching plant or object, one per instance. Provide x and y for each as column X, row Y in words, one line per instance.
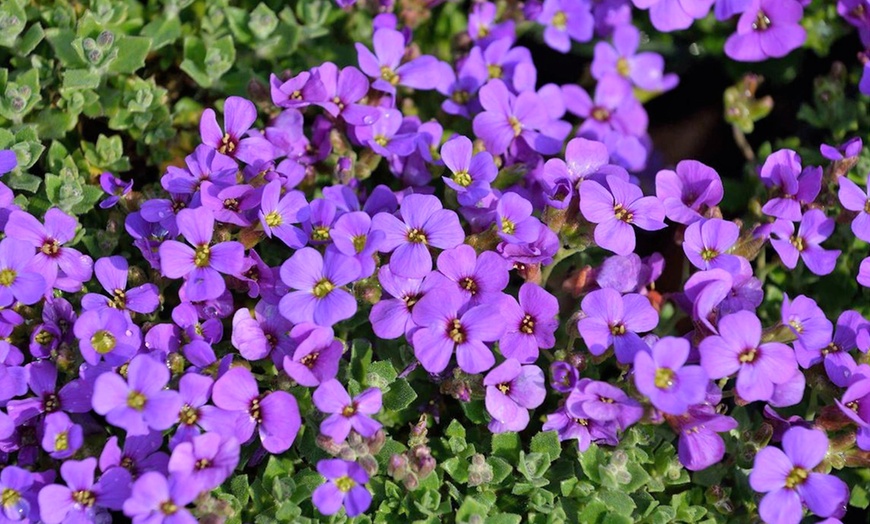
column 434, row 261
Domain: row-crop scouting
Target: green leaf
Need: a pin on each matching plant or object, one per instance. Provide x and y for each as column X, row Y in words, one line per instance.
column 617, row 501
column 503, row 518
column 380, row 374
column 262, row 21
column 240, row 488
column 500, row 469
column 30, row 40
column 162, row 31
column 533, row 466
column 506, row 446
column 132, row 51
column 590, row 460
column 360, row 358
column 547, row 442
column 400, row 395
column 471, row 508
column 77, row 79
column 61, row 41
column 207, row 63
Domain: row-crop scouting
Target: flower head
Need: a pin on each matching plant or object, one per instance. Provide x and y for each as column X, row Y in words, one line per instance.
column 345, row 485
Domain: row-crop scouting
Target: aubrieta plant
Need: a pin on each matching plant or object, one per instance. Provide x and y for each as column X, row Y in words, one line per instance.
column 371, row 260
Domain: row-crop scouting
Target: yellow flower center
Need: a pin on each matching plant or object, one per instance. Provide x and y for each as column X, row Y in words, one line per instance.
column 469, row 285
column 796, row 477
column 84, row 498
column 227, row 145
column 516, row 125
column 119, row 299
column 381, row 140
column 389, row 75
column 344, row 483
column 201, row 256
column 417, row 236
column 9, row 497
column 7, row 277
column 61, row 441
column 748, row 356
column 504, row 387
column 507, row 226
column 617, row 329
column 622, row 67
column 320, row 233
column 274, row 219
column 103, row 342
column 495, row 71
column 664, row 378
column 462, row 178
column 348, row 411
column 359, row 243
column 602, row 114
column 527, row 325
column 50, row 247
column 762, row 22
column 456, row 333
column 709, row 254
column 798, row 243
column 622, row 213
column 323, row 288
column 136, row 400
column 560, row 20
column 310, row 359
column 188, row 415
column 460, row 96
column 168, row 508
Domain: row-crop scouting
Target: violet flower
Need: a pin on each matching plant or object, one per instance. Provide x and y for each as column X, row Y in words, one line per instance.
column 479, row 279
column 700, row 445
column 239, row 116
column 688, row 190
column 391, row 317
column 767, row 29
column 644, row 70
column 82, row 499
column 531, row 324
column 673, row 15
column 343, row 91
column 204, row 462
column 707, row 242
column 385, row 64
column 139, row 455
column 317, row 281
column 61, row 438
column 154, row 499
column 107, row 334
column 471, row 173
column 813, row 230
column 792, row 186
column 614, row 319
column 807, row 321
column 17, row 281
column 115, row 188
column 278, row 214
column 345, row 485
column 511, row 391
column 565, row 20
column 507, row 118
column 111, row 273
column 614, row 107
column 316, row 356
column 855, row 199
column 604, row 402
column 834, row 353
column 19, row 503
column 661, row 375
column 346, row 414
column 583, row 158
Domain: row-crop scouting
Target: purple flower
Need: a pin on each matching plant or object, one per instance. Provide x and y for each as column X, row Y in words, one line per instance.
column 62, row 267
column 531, row 324
column 855, row 404
column 385, row 65
column 813, row 230
column 472, row 173
column 83, row 500
column 195, row 391
column 614, row 319
column 672, row 15
column 353, row 236
column 276, row 413
column 663, row 377
column 479, row 279
column 17, row 281
column 424, row 223
column 154, row 499
column 615, row 209
column 111, row 272
column 788, row 479
column 512, row 390
column 564, row 376
column 297, row 92
column 849, row 149
column 138, row 456
column 614, row 108
column 61, row 438
column 807, row 321
column 447, row 324
column 140, row 402
column 107, row 334
column 391, row 317
column 855, row 199
column 707, row 242
column 19, row 501
column 343, row 90
column 205, row 462
column 346, row 414
column 239, row 116
column 583, row 158
column 575, row 424
column 316, row 356
column 8, row 161
column 201, row 264
column 507, row 118
column 604, row 402
column 317, row 281
column 482, row 28
column 115, row 188
column 793, row 187
column 700, row 445
column 687, row 190
column 73, row 397
column 738, row 350
column 278, row 214
column 834, row 351
column 566, row 20
column 767, row 29
column 644, row 70
column 230, row 205
column 345, row 485
column 385, row 136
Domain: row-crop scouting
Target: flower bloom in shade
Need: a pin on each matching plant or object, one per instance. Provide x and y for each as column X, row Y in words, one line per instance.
column 576, row 424
column 391, row 317
column 82, row 499
column 849, row 149
column 316, row 356
column 583, row 158
column 644, row 70
column 385, row 63
column 791, row 185
column 345, row 485
column 108, row 335
column 61, row 438
column 614, row 319
column 424, row 223
column 788, row 479
column 111, row 272
column 203, row 263
column 767, row 29
column 700, row 445
column 688, row 190
column 507, row 117
column 855, row 199
column 346, row 414
column 807, row 321
column 19, row 502
column 447, row 324
column 672, row 15
column 155, row 499
column 738, row 350
column 17, row 281
column 616, row 208
column 855, row 404
column 115, row 188
column 471, row 173
column 707, row 242
column 814, row 229
column 603, row 402
column 566, row 20
column 661, row 375
column 206, row 461
column 140, row 402
column 239, row 116
column 834, row 353
column 62, row 267
column 276, row 414
column 511, row 390
column 278, row 214
column 531, row 324
column 317, row 281
column 138, row 456
column 564, row 376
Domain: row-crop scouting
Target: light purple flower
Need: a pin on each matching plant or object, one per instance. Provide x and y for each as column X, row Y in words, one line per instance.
column 644, row 70
column 345, row 485
column 566, row 20
column 20, row 502
column 385, row 64
column 767, row 29
column 317, row 281
column 603, row 402
column 107, row 334
column 511, row 391
column 139, row 455
column 661, row 375
column 673, row 15
column 82, row 499
column 115, row 188
column 807, row 321
column 834, row 351
column 343, row 90
column 111, row 272
column 791, row 185
column 813, row 230
column 614, row 108
column 61, row 438
column 479, row 279
column 688, row 190
column 239, row 116
column 316, row 356
column 583, row 158
column 855, row 199
column 531, row 324
column 707, row 242
column 614, row 319
column 204, row 462
column 391, row 317
column 700, row 445
column 17, row 281
column 346, row 414
column 471, row 173
column 154, row 499
column 507, row 118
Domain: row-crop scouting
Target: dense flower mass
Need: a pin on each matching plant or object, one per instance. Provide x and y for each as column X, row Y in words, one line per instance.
column 392, row 284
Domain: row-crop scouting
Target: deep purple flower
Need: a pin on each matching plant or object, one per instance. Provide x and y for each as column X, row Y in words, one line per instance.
column 139, row 455
column 61, row 438
column 707, row 242
column 673, row 15
column 767, row 29
column 813, row 230
column 385, row 64
column 424, row 223
column 566, row 20
column 834, row 351
column 855, row 199
column 345, row 485
column 82, row 499
column 614, row 319
column 604, row 402
column 391, row 317
column 447, row 324
column 140, row 402
column 154, row 499
column 107, row 334
column 791, row 185
column 663, row 377
column 204, row 164
column 239, row 116
column 19, row 501
column 346, row 414
column 111, row 272
column 700, row 445
column 531, row 324
column 202, row 264
column 115, row 188
column 615, row 208
column 317, row 280
column 788, row 479
column 316, row 355
column 206, row 461
column 849, row 149
column 343, row 90
column 644, row 70
column 511, row 391
column 17, row 281
column 471, row 173
column 508, row 117
column 276, row 413
column 62, row 267
column 737, row 349
column 8, row 161
column 688, row 190
column 564, row 376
